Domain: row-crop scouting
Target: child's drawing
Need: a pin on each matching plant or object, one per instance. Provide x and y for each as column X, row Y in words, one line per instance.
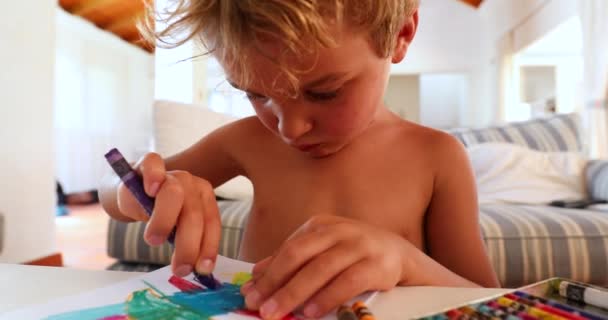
column 192, row 301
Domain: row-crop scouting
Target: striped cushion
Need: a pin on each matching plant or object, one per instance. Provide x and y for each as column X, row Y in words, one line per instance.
column 532, row 243
column 126, row 241
column 134, row 266
column 557, row 133
column 525, row 243
column 597, row 179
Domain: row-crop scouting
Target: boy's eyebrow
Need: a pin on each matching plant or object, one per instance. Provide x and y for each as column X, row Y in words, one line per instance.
column 235, row 85
column 314, row 83
column 239, row 88
column 326, row 78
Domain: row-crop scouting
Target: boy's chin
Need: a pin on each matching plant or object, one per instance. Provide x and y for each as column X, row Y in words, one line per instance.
column 324, row 151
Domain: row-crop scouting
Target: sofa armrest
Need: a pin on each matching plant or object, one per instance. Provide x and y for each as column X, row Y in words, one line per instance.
column 596, row 175
column 126, row 240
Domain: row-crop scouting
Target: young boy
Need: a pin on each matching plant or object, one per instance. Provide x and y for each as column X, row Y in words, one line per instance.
column 348, row 196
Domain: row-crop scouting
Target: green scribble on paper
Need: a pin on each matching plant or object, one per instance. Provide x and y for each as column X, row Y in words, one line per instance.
column 92, row 314
column 240, row 278
column 152, row 304
column 142, row 305
column 145, row 305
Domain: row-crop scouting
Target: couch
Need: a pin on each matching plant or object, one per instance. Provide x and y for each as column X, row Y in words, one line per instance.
column 526, row 243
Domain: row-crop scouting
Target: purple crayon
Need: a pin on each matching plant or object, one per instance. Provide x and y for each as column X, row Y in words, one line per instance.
column 135, row 184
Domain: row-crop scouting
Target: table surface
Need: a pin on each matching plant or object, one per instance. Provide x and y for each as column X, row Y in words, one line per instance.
column 23, row 286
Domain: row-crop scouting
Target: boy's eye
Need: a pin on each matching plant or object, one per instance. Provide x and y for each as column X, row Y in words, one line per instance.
column 254, row 96
column 322, row 96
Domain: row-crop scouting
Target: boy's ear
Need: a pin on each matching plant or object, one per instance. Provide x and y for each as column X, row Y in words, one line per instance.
column 405, row 37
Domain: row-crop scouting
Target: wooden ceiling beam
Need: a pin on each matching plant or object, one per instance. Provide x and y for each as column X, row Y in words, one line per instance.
column 474, row 3
column 128, row 33
column 87, row 7
column 67, row 5
column 144, row 45
column 124, row 22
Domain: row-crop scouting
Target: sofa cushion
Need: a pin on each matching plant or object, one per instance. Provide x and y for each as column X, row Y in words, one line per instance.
column 126, row 240
column 510, row 173
column 556, row 133
column 177, row 126
column 527, row 244
column 597, row 179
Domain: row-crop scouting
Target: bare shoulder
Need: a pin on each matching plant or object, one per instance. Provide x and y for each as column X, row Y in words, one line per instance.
column 245, row 127
column 244, row 139
column 236, row 136
column 221, row 154
column 437, row 144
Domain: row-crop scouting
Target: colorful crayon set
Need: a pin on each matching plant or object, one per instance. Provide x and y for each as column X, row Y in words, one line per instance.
column 554, row 299
column 359, row 311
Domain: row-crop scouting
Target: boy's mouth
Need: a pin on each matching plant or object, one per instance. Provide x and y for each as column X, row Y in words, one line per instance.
column 307, row 147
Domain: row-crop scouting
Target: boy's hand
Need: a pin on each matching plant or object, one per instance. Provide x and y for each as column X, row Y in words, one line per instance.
column 326, row 262
column 183, row 201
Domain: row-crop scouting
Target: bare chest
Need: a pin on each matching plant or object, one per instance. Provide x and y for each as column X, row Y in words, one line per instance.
column 384, row 191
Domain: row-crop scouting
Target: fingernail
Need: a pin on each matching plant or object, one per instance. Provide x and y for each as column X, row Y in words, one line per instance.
column 183, row 270
column 246, row 287
column 268, row 309
column 253, row 299
column 154, row 188
column 205, row 266
column 255, row 276
column 311, row 310
column 155, row 240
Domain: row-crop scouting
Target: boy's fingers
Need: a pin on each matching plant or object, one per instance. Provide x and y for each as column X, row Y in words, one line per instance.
column 290, row 258
column 152, row 168
column 309, row 280
column 169, row 203
column 256, row 273
column 212, row 227
column 129, row 206
column 189, row 229
column 349, row 284
column 260, row 267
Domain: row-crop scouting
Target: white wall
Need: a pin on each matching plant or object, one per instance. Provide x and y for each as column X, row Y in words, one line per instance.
column 512, row 26
column 502, row 16
column 562, row 48
column 403, row 96
column 456, row 38
column 175, row 74
column 179, row 77
column 104, row 97
column 443, row 97
column 27, row 190
column 452, row 39
column 449, row 39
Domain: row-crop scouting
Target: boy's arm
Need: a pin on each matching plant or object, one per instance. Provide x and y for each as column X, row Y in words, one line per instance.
column 453, row 235
column 211, row 158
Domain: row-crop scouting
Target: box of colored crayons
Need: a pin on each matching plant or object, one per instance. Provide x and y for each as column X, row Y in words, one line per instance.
column 553, row 299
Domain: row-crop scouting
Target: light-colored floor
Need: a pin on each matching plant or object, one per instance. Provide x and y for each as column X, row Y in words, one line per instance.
column 81, row 237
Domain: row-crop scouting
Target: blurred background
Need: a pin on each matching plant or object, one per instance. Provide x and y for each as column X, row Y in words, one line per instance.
column 77, row 79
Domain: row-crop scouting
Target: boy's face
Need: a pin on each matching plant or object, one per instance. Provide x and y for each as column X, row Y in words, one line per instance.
column 336, row 100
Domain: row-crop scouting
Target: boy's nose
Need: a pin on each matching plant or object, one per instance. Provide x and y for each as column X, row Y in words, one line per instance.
column 293, row 127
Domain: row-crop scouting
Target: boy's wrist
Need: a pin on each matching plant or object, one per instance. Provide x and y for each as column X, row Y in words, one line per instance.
column 410, row 265
column 419, row 269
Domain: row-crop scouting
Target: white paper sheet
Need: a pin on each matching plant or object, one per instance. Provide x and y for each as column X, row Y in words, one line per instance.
column 118, row 293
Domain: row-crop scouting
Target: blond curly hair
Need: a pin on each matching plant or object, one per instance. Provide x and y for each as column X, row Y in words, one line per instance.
column 229, row 28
